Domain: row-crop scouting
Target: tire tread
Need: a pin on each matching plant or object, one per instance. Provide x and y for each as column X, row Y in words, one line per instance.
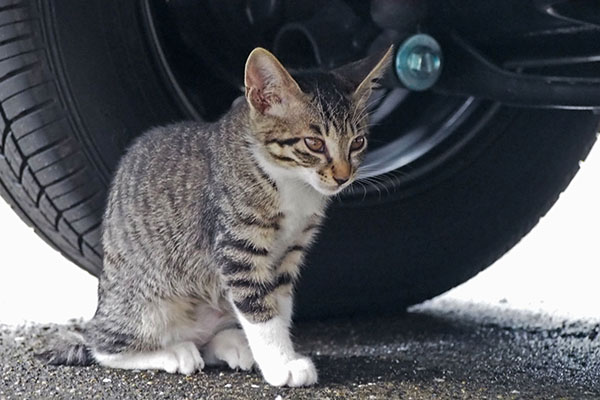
column 44, row 174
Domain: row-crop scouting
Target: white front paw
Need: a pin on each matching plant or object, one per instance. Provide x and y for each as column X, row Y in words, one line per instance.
column 183, row 358
column 297, row 372
column 302, row 372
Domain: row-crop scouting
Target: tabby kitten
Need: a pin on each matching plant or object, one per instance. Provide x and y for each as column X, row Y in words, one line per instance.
column 207, row 224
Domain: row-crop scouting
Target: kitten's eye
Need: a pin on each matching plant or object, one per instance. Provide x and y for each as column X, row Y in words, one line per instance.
column 358, row 143
column 314, row 144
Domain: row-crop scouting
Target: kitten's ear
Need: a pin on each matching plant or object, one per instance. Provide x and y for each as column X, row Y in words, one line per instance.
column 364, row 74
column 270, row 89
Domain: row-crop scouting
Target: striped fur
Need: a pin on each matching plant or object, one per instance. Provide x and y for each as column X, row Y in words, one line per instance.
column 207, row 224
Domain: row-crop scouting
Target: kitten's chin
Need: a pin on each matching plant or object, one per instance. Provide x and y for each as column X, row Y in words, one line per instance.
column 328, row 190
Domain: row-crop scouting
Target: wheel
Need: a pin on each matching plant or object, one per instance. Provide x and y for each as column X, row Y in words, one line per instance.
column 452, row 183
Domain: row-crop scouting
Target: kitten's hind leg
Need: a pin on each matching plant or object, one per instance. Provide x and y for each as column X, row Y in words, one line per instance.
column 231, row 347
column 180, row 357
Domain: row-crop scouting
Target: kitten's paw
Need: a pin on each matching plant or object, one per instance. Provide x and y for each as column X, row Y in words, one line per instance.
column 183, row 358
column 302, row 372
column 298, row 372
column 231, row 346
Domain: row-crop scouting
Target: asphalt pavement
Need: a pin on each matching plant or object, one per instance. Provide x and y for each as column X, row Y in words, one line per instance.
column 436, row 351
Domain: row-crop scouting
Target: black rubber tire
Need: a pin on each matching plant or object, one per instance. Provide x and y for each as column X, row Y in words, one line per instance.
column 78, row 82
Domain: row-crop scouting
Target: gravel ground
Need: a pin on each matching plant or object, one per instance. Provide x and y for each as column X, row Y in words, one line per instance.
column 439, row 351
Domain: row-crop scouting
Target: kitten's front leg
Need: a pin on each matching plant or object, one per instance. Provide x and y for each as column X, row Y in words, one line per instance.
column 261, row 294
column 272, row 346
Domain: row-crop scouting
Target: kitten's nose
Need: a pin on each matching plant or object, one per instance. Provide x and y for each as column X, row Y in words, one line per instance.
column 341, row 172
column 341, row 181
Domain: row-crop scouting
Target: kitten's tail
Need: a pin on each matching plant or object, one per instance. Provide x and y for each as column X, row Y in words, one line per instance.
column 67, row 349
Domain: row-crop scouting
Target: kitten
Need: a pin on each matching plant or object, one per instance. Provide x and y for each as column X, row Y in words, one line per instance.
column 207, row 224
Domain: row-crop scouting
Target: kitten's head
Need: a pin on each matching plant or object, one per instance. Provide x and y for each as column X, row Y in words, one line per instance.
column 312, row 126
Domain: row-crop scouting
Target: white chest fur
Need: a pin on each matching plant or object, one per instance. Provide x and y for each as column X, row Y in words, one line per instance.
column 298, row 202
